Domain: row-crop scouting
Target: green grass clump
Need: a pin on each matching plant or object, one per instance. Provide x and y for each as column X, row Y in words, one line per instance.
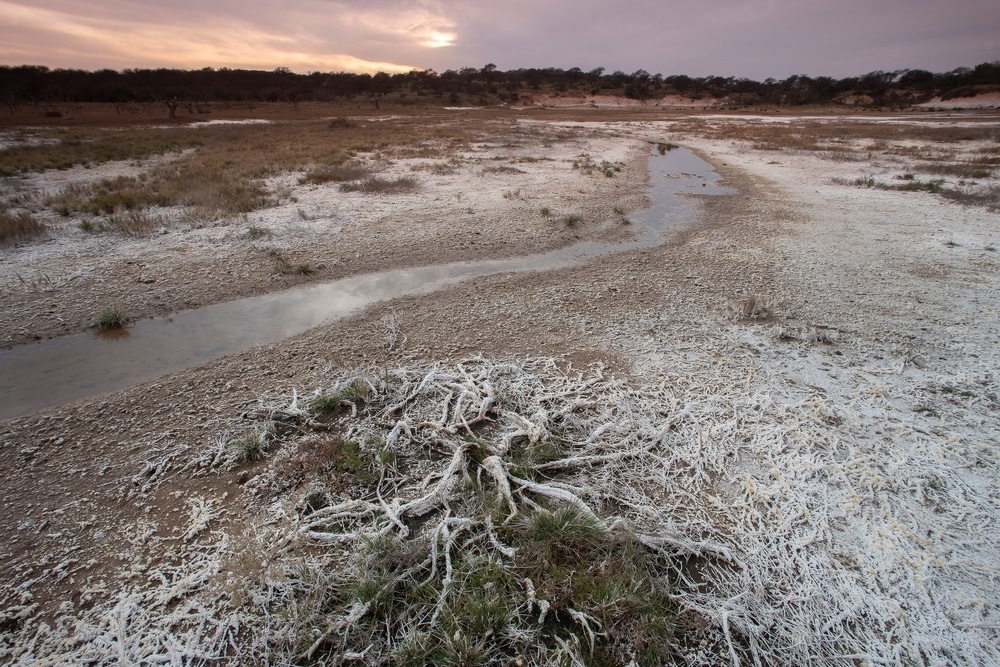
column 609, row 169
column 327, row 403
column 251, row 445
column 112, row 318
column 577, row 564
column 567, row 581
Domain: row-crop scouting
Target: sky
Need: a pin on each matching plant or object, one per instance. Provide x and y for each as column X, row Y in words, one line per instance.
column 755, row 39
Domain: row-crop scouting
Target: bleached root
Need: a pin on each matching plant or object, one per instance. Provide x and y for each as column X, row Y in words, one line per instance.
column 782, row 535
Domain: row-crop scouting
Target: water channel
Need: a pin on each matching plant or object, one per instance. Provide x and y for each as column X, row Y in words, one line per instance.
column 63, row 370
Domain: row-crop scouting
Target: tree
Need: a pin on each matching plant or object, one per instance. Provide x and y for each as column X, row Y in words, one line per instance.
column 487, row 73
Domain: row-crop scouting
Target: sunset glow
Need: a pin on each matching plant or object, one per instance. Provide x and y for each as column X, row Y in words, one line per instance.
column 775, row 38
column 437, row 40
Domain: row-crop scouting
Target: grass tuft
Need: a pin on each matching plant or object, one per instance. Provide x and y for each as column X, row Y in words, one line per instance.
column 282, row 267
column 753, row 308
column 323, row 404
column 112, row 318
column 251, row 445
column 503, row 170
column 383, row 186
column 256, row 232
column 19, row 226
column 336, row 173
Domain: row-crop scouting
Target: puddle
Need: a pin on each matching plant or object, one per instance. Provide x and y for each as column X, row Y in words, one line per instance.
column 72, row 368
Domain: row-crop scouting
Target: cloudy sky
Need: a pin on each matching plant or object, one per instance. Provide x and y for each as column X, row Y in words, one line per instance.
column 744, row 38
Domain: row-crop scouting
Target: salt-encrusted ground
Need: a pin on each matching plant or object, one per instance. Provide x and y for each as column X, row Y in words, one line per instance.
column 838, row 446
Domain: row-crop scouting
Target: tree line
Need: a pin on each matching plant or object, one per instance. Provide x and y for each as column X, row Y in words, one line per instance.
column 39, row 85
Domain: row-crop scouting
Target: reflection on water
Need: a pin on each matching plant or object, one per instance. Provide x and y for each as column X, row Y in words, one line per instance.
column 114, row 333
column 75, row 367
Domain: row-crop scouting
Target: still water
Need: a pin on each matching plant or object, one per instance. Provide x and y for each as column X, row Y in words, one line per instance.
column 63, row 370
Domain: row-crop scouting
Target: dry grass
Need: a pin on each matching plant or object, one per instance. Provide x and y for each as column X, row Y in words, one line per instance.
column 134, row 223
column 382, row 186
column 336, row 173
column 969, row 193
column 282, row 267
column 834, row 136
column 65, row 148
column 225, row 172
column 111, row 195
column 988, row 197
column 753, row 307
column 437, row 168
column 19, row 226
column 503, row 169
column 951, row 152
column 961, row 169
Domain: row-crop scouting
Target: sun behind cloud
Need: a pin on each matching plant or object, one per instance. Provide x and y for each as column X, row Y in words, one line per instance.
column 436, row 40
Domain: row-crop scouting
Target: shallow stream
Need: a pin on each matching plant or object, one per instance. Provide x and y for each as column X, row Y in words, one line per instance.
column 63, row 370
